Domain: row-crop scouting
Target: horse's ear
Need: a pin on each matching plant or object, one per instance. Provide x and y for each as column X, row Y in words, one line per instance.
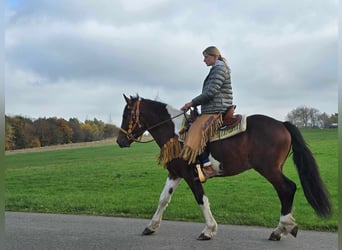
column 128, row 101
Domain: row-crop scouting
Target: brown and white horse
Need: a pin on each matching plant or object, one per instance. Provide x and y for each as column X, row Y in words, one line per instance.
column 264, row 147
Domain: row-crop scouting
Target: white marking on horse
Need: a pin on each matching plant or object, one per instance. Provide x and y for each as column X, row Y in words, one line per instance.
column 211, row 225
column 285, row 226
column 177, row 121
column 164, row 200
column 215, row 164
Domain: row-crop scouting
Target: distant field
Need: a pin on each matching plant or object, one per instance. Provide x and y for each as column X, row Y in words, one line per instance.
column 106, row 180
column 110, row 141
column 62, row 146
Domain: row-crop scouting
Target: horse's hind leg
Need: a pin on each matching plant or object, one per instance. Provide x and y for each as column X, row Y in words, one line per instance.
column 164, row 200
column 286, row 190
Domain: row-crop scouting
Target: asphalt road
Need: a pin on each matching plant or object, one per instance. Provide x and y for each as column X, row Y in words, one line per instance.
column 51, row 231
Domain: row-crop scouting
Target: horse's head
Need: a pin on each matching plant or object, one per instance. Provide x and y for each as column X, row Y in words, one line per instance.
column 142, row 115
column 131, row 126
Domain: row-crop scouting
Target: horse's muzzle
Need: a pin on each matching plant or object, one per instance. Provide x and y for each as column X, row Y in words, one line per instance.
column 123, row 141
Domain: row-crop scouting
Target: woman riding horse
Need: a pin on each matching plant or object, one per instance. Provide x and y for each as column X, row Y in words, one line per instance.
column 216, row 98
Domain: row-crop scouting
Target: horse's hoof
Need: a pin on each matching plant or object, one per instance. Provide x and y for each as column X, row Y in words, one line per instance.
column 147, row 231
column 294, row 231
column 203, row 237
column 274, row 237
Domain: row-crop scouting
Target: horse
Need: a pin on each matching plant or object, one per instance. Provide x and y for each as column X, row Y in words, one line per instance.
column 264, row 147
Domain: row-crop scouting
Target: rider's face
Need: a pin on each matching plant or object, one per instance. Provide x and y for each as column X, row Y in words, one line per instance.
column 209, row 59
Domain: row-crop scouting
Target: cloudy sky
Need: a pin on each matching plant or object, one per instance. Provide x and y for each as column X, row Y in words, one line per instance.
column 75, row 58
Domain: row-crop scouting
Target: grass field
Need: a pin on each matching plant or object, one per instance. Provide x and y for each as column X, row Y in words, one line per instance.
column 107, row 180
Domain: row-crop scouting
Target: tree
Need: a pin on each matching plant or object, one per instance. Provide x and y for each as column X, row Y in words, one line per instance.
column 78, row 134
column 110, row 131
column 9, row 135
column 333, row 118
column 42, row 131
column 324, row 120
column 57, row 136
column 22, row 139
column 64, row 128
column 96, row 129
column 311, row 117
column 314, row 115
column 23, row 132
column 87, row 132
column 35, row 143
column 303, row 116
column 299, row 116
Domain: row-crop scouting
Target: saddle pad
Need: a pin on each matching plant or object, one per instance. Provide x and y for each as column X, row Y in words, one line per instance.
column 221, row 133
column 229, row 132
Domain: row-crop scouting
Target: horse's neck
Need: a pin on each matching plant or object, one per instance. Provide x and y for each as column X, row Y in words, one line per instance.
column 161, row 120
column 163, row 133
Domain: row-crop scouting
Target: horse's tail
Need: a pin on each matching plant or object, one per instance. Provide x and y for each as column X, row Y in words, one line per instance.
column 314, row 189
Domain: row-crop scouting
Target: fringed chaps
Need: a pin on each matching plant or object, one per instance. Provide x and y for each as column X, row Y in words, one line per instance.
column 169, row 151
column 204, row 127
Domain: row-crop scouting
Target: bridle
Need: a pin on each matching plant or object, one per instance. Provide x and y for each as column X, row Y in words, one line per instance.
column 134, row 122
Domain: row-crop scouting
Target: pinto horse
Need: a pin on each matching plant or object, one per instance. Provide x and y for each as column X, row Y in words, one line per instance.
column 264, row 146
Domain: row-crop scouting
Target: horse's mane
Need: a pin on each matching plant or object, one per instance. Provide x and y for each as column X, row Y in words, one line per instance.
column 158, row 106
column 155, row 105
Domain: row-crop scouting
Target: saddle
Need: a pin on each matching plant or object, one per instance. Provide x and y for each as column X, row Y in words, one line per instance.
column 229, row 119
column 231, row 124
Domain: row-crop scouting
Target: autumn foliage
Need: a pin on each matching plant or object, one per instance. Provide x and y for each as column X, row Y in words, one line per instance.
column 21, row 132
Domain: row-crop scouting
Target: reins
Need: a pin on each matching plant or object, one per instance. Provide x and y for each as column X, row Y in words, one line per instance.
column 135, row 115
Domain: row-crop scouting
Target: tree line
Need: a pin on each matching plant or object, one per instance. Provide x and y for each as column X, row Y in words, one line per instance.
column 305, row 117
column 22, row 132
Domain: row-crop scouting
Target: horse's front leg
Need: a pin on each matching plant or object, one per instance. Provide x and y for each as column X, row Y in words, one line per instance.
column 164, row 200
column 210, row 228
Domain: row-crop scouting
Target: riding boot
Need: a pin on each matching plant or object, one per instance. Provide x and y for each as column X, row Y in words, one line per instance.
column 205, row 172
column 208, row 170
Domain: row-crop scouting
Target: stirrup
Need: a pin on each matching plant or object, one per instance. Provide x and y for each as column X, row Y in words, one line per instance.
column 201, row 175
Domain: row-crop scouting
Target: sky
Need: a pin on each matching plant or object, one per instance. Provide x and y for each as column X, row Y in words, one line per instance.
column 76, row 58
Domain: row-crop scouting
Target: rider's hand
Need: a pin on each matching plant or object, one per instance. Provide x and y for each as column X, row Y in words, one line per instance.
column 186, row 106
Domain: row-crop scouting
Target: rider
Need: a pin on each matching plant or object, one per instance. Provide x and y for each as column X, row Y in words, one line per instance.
column 215, row 99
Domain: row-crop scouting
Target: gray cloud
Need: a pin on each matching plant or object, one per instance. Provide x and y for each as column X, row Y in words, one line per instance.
column 85, row 54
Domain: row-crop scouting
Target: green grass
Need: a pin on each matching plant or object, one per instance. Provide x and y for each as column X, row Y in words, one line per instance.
column 107, row 180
